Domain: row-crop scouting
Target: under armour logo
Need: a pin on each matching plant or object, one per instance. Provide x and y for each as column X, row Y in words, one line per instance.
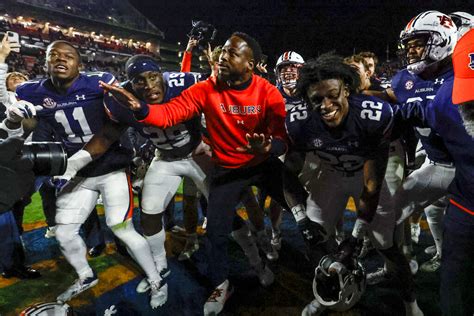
column 471, row 61
column 307, row 234
column 80, row 97
column 439, row 81
column 240, row 122
column 354, row 143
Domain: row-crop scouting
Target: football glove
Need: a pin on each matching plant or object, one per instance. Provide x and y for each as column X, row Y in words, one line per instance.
column 20, row 110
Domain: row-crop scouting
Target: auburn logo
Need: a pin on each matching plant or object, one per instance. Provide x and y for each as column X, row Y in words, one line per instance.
column 445, row 21
column 471, row 61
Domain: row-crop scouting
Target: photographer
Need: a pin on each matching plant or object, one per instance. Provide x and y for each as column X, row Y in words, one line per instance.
column 16, row 181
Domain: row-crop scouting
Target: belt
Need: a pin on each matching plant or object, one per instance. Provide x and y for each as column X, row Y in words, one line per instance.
column 443, row 164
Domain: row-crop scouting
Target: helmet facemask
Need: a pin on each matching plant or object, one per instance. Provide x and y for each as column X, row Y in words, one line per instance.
column 287, row 75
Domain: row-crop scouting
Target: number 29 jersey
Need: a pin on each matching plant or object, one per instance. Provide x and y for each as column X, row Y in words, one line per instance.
column 174, row 142
column 76, row 116
column 345, row 148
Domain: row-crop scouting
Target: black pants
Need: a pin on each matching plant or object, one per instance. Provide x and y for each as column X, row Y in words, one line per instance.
column 457, row 263
column 226, row 188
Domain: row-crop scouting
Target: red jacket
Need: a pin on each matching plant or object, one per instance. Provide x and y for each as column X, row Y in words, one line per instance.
column 230, row 114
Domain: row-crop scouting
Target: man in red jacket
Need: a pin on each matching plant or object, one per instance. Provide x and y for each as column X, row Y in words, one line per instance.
column 245, row 117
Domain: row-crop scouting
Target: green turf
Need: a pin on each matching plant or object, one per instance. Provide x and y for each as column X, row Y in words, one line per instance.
column 34, row 211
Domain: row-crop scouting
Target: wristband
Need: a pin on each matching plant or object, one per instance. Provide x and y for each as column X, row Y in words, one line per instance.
column 142, row 113
column 12, row 132
column 299, row 212
column 360, row 228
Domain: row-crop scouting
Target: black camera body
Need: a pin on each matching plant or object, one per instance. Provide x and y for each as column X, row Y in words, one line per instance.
column 48, row 158
column 203, row 32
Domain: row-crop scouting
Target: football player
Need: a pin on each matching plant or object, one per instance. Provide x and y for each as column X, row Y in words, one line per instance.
column 72, row 105
column 428, row 41
column 451, row 116
column 350, row 133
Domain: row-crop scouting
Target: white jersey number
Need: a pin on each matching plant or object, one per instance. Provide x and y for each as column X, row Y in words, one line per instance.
column 81, row 133
column 298, row 112
column 167, row 139
column 372, row 110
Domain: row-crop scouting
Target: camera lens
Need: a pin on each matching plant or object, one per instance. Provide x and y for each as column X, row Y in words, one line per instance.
column 49, row 158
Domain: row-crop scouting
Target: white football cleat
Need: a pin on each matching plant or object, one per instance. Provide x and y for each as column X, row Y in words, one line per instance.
column 158, row 292
column 50, row 232
column 313, row 309
column 215, row 303
column 77, row 288
column 144, row 285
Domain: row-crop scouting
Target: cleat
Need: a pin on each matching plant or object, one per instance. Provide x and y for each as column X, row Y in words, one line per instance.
column 313, row 309
column 215, row 303
column 432, row 265
column 265, row 245
column 50, row 232
column 265, row 275
column 191, row 246
column 415, row 232
column 77, row 288
column 144, row 285
column 413, row 265
column 276, row 241
column 158, row 292
column 380, row 275
column 177, row 229
column 431, row 250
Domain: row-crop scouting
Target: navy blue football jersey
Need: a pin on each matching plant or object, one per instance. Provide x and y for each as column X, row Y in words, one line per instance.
column 345, row 148
column 177, row 141
column 444, row 118
column 411, row 88
column 290, row 102
column 76, row 116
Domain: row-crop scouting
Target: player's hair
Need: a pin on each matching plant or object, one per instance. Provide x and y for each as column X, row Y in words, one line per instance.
column 66, row 43
column 357, row 59
column 253, row 44
column 325, row 67
column 369, row 55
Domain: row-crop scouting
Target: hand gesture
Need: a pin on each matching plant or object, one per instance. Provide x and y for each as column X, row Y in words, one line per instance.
column 122, row 96
column 262, row 67
column 191, row 44
column 257, row 144
column 7, row 47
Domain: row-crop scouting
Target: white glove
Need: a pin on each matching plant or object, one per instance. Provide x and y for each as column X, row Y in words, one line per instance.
column 75, row 163
column 20, row 110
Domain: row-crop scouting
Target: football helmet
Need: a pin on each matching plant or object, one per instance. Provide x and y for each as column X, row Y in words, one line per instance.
column 287, row 77
column 440, row 33
column 463, row 20
column 338, row 286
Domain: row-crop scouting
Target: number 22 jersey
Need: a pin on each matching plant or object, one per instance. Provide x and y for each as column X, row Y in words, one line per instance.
column 346, row 147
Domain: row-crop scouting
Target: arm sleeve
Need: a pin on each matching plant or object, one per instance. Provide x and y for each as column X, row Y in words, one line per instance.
column 4, row 98
column 186, row 62
column 179, row 109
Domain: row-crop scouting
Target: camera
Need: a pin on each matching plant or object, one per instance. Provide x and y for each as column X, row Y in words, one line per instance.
column 203, row 32
column 48, row 158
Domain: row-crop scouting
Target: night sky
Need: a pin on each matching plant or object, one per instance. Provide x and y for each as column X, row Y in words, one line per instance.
column 308, row 27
